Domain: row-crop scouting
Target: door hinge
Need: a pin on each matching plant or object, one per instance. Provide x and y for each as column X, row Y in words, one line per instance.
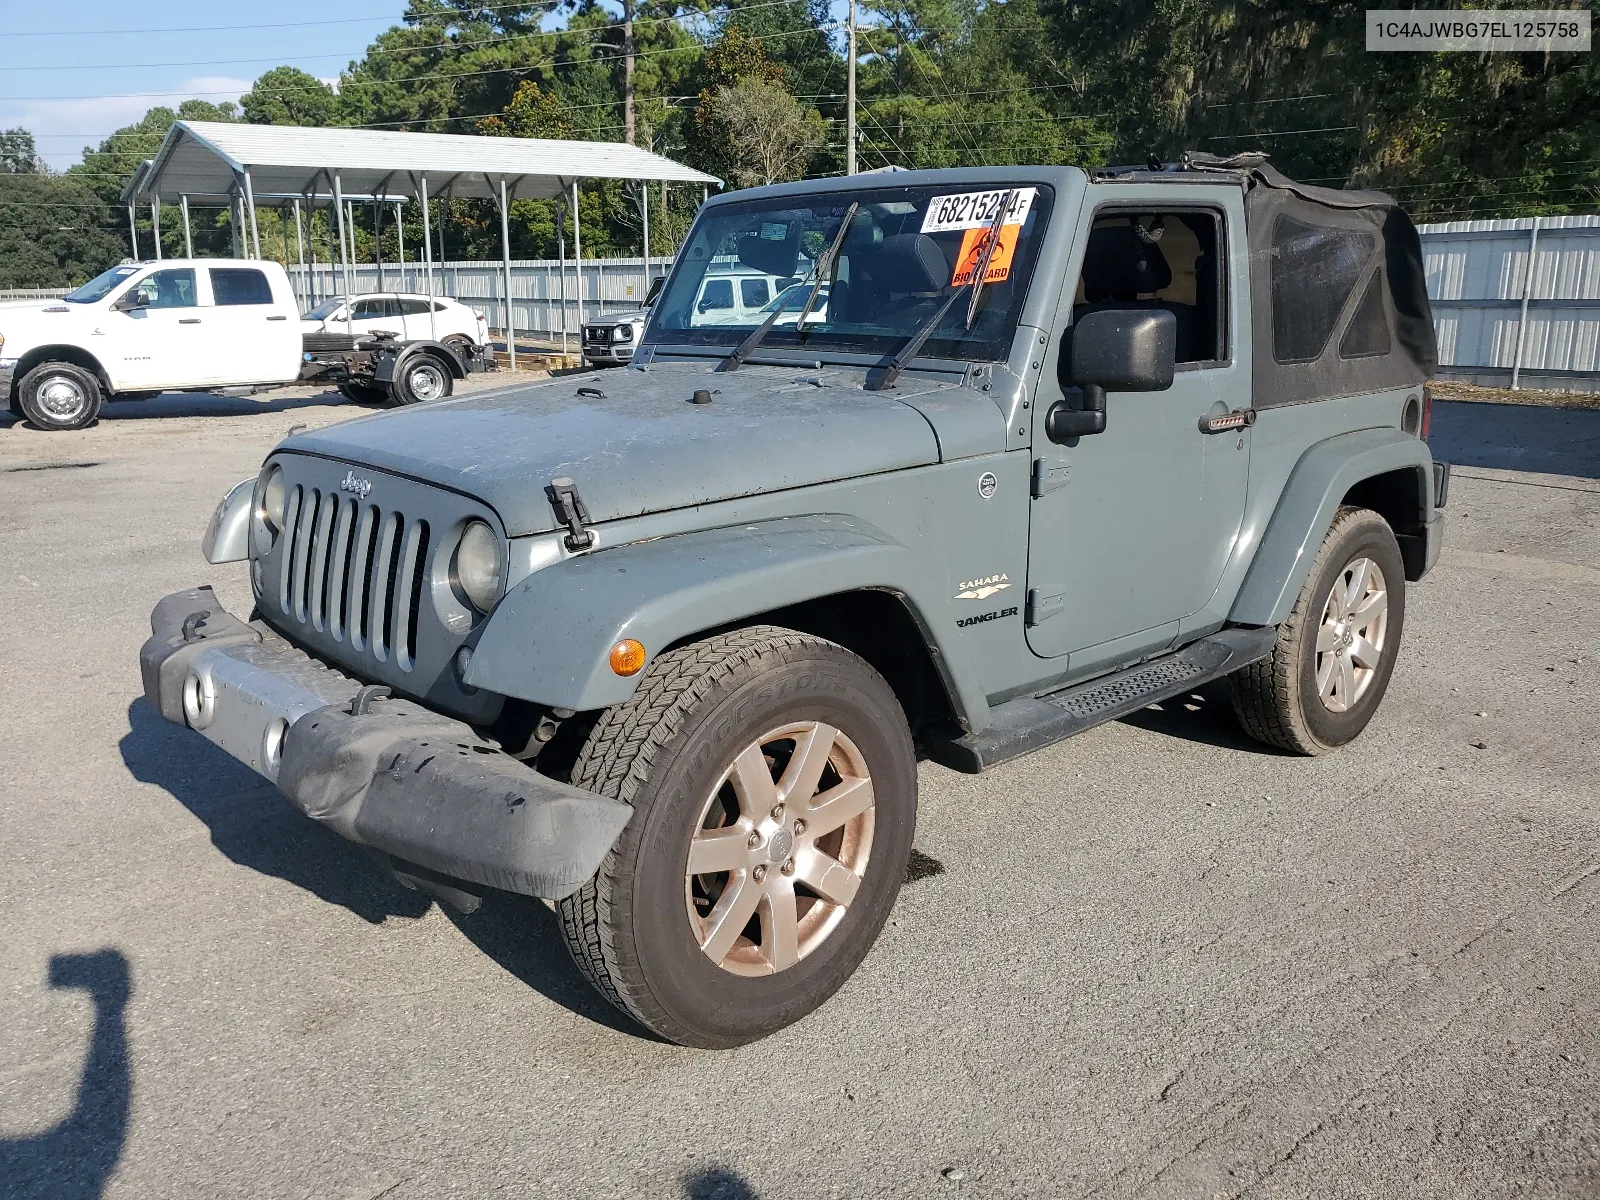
column 1048, row 475
column 1041, row 607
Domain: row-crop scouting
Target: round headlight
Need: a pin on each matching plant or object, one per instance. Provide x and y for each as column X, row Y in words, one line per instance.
column 480, row 566
column 274, row 496
column 622, row 333
column 271, row 497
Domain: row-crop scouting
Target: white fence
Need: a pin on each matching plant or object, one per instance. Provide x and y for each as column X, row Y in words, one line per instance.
column 547, row 296
column 1501, row 324
column 32, row 293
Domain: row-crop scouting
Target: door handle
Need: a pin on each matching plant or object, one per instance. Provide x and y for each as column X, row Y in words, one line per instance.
column 188, row 320
column 1239, row 418
column 278, row 318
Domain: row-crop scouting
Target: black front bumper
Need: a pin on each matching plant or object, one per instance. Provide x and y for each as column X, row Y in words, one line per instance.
column 399, row 778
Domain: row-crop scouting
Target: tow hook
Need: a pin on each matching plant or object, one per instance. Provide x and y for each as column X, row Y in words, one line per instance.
column 571, row 512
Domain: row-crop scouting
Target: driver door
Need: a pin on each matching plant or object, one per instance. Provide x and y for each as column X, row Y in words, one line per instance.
column 1130, row 529
column 153, row 343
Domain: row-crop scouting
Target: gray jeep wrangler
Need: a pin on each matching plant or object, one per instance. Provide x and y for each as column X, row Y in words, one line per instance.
column 664, row 646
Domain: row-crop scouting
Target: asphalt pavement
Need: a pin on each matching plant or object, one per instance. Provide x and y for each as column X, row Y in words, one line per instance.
column 1155, row 961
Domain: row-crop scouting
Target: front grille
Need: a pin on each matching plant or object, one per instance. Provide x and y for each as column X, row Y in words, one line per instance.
column 354, row 571
column 597, row 333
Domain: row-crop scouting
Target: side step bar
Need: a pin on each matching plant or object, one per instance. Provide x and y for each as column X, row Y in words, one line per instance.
column 1033, row 722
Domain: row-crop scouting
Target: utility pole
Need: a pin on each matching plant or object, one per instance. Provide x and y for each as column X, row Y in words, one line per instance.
column 627, row 72
column 850, row 100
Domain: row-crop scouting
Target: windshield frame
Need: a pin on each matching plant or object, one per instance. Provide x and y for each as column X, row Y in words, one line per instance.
column 107, row 282
column 719, row 339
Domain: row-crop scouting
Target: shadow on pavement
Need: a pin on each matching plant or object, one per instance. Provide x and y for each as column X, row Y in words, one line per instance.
column 1204, row 715
column 74, row 1160
column 717, row 1184
column 524, row 937
column 255, row 826
column 1515, row 437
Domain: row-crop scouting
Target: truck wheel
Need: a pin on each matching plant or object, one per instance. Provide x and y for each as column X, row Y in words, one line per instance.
column 776, row 791
column 58, row 396
column 1334, row 655
column 364, row 393
column 421, row 378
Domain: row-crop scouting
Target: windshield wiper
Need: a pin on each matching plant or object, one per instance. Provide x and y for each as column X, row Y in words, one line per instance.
column 820, row 269
column 920, row 338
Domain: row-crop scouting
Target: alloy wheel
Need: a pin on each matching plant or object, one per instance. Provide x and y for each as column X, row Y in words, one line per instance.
column 1350, row 639
column 780, row 849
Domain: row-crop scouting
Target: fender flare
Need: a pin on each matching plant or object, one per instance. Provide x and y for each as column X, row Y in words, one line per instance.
column 388, row 365
column 549, row 639
column 227, row 535
column 1318, row 484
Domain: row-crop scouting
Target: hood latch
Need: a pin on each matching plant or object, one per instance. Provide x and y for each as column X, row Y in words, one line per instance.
column 571, row 512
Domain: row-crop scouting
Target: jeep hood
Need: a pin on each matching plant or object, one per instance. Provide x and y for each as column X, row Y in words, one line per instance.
column 643, row 446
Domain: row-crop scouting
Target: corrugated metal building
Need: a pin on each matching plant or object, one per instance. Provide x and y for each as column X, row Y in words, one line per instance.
column 1499, row 324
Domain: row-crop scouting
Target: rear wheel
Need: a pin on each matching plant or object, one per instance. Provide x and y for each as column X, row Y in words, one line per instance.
column 775, row 786
column 59, row 396
column 1333, row 658
column 420, row 379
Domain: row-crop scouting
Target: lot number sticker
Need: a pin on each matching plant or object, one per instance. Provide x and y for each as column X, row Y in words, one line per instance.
column 975, row 210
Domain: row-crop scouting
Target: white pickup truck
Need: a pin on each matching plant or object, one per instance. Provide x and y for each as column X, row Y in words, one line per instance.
column 140, row 329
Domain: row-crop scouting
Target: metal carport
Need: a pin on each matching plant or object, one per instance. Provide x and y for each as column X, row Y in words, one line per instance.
column 285, row 164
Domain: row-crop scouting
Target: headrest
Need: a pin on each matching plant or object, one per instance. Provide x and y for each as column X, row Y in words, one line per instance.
column 910, row 262
column 1118, row 264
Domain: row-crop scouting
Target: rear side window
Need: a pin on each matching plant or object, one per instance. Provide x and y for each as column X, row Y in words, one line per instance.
column 240, row 285
column 753, row 292
column 1314, row 270
column 1368, row 334
column 413, row 308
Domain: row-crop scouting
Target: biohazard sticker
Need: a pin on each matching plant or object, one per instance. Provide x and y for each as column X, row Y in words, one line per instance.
column 972, row 247
column 975, row 210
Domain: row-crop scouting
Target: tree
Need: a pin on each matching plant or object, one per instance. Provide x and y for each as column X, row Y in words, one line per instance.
column 771, row 136
column 18, row 154
column 289, row 96
column 531, row 113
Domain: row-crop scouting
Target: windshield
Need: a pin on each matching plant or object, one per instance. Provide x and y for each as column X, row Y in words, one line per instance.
column 100, row 286
column 907, row 249
column 324, row 310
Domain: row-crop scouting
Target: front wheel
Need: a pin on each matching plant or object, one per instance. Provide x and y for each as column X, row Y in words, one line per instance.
column 59, row 396
column 1331, row 664
column 774, row 784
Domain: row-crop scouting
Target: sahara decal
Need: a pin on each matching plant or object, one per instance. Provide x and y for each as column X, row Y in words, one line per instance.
column 982, row 589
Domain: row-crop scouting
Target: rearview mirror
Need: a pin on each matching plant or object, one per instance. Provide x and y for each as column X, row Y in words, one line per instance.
column 1120, row 349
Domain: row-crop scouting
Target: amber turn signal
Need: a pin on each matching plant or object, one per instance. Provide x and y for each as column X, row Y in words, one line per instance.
column 627, row 657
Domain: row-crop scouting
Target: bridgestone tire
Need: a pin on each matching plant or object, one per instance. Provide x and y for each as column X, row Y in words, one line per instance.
column 59, row 396
column 1277, row 699
column 364, row 393
column 406, row 387
column 663, row 752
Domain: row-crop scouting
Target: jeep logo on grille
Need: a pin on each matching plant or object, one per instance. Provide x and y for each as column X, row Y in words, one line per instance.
column 352, row 483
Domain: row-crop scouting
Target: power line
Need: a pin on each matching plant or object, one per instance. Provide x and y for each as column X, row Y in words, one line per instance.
column 356, row 81
column 495, row 40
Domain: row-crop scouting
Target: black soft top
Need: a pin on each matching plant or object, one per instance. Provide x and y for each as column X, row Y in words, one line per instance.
column 1339, row 294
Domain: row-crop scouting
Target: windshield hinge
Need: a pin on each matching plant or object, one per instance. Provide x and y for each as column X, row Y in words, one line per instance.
column 570, row 511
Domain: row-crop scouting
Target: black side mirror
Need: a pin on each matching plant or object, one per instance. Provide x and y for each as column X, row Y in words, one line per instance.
column 131, row 300
column 1123, row 349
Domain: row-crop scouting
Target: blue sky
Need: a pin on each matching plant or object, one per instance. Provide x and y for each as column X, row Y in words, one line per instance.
column 74, row 73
